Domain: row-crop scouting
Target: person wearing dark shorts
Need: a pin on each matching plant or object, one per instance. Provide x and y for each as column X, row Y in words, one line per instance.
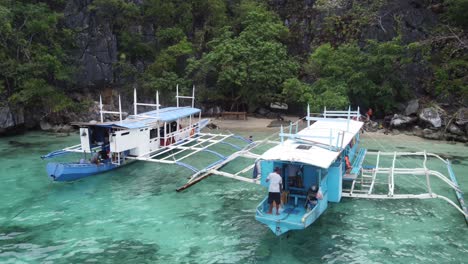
column 274, row 190
column 274, row 197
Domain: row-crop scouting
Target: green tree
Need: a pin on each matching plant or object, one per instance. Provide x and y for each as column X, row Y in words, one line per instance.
column 457, row 12
column 251, row 66
column 364, row 75
column 33, row 57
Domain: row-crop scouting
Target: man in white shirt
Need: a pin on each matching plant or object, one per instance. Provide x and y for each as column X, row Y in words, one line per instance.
column 274, row 190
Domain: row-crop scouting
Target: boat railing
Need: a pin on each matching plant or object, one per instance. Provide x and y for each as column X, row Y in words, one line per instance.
column 136, row 104
column 308, row 214
column 185, row 97
column 181, row 134
column 260, row 207
column 330, row 115
column 333, row 141
column 102, row 111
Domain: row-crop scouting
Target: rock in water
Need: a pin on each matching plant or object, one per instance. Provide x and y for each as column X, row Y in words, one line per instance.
column 431, row 116
column 10, row 118
column 46, row 126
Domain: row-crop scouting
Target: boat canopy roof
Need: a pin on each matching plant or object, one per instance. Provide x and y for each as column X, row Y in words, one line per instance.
column 146, row 119
column 315, row 145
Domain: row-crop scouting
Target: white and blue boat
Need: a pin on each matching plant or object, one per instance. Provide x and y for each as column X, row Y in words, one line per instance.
column 326, row 154
column 141, row 136
column 315, row 156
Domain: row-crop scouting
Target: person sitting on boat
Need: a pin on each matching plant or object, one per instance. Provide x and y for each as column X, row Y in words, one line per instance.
column 313, row 195
column 105, row 149
column 348, row 164
column 274, row 190
column 95, row 158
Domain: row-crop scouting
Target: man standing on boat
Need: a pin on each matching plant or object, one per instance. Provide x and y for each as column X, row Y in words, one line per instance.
column 274, row 190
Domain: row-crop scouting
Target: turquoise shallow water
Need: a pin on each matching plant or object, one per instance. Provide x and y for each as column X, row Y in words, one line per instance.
column 134, row 215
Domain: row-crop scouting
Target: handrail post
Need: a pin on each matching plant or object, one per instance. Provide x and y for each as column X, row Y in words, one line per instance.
column 177, row 95
column 281, row 134
column 193, row 96
column 157, row 104
column 120, row 110
column 100, row 108
column 135, row 101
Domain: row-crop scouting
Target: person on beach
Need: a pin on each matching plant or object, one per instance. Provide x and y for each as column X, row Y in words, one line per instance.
column 369, row 114
column 274, row 190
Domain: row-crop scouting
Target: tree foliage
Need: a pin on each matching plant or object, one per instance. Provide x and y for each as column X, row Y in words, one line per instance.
column 234, row 51
column 248, row 67
column 351, row 74
column 458, row 12
column 33, row 56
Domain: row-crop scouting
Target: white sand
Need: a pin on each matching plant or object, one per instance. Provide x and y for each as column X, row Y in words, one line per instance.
column 251, row 124
column 254, row 124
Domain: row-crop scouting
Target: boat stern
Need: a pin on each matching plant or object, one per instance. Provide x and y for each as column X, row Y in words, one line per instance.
column 289, row 217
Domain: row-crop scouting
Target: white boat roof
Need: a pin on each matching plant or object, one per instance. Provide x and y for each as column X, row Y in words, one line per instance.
column 147, row 119
column 312, row 144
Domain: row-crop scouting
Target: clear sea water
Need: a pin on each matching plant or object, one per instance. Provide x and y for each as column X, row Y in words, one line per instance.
column 134, row 215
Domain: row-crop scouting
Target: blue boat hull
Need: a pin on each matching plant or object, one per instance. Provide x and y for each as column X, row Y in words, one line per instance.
column 74, row 171
column 292, row 216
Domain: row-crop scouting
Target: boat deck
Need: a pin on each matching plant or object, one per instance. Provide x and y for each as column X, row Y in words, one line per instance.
column 288, row 212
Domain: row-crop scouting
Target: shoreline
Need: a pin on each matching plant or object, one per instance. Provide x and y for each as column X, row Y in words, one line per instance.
column 255, row 124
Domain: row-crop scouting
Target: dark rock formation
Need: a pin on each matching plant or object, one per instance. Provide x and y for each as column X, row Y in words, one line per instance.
column 432, row 134
column 454, row 129
column 401, row 121
column 10, row 119
column 96, row 44
column 462, row 117
column 431, row 117
column 412, row 107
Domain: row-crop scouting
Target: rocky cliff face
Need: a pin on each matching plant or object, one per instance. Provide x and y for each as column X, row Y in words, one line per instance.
column 311, row 23
column 96, row 44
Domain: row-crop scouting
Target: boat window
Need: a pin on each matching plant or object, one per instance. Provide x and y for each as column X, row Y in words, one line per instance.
column 304, row 147
column 124, row 134
column 153, row 133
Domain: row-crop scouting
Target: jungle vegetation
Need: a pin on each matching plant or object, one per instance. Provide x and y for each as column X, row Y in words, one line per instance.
column 236, row 52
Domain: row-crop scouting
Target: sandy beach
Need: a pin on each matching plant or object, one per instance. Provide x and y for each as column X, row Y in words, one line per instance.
column 254, row 124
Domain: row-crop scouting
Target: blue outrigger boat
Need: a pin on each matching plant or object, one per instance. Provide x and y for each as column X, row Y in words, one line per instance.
column 323, row 163
column 315, row 156
column 157, row 136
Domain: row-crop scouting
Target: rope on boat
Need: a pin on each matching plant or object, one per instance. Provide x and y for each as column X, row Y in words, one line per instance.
column 232, row 145
column 190, row 167
column 242, row 138
column 214, row 152
column 458, row 193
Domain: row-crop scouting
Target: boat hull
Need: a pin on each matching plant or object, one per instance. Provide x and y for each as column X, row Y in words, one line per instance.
column 292, row 216
column 74, row 171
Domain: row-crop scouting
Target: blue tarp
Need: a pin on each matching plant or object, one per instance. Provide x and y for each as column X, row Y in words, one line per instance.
column 167, row 114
